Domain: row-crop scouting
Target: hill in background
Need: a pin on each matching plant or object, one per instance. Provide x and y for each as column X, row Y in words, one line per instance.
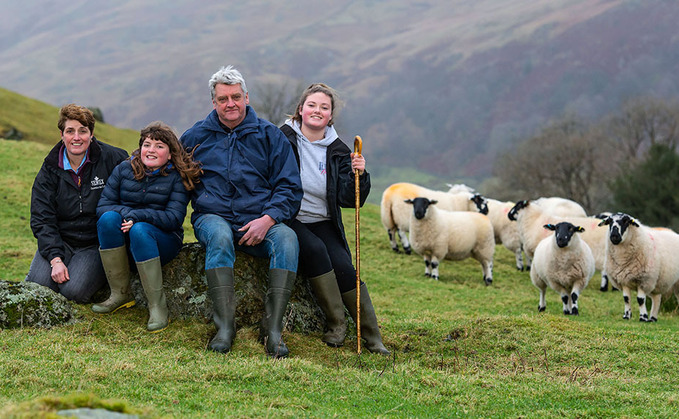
column 436, row 86
column 37, row 122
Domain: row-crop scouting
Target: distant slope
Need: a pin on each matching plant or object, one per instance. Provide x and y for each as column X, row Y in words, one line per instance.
column 37, row 121
column 439, row 85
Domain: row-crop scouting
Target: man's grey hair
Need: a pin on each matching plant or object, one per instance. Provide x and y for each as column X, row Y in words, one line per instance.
column 227, row 75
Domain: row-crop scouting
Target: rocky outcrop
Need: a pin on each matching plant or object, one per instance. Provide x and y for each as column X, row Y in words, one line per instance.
column 186, row 291
column 24, row 304
column 27, row 304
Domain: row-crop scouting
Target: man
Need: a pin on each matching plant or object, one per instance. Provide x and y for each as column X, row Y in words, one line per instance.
column 249, row 189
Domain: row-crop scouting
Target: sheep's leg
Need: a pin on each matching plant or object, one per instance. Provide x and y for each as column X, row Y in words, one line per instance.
column 435, row 267
column 574, row 301
column 404, row 241
column 604, row 282
column 566, row 303
column 641, row 300
column 519, row 260
column 529, row 261
column 543, row 303
column 655, row 306
column 392, row 239
column 427, row 266
column 487, row 267
column 627, row 314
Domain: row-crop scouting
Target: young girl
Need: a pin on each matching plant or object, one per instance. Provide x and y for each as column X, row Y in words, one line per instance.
column 327, row 170
column 143, row 207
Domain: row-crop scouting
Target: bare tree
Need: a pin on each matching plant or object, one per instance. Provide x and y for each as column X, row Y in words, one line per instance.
column 275, row 100
column 643, row 122
column 567, row 158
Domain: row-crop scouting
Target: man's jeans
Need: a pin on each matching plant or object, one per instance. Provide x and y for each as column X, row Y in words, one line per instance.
column 216, row 235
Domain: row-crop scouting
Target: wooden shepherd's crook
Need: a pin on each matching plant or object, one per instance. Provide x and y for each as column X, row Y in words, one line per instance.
column 358, row 146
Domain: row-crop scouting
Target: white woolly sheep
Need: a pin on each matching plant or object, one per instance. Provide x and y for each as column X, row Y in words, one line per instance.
column 530, row 219
column 506, row 231
column 396, row 214
column 642, row 258
column 561, row 207
column 455, row 235
column 564, row 263
column 460, row 187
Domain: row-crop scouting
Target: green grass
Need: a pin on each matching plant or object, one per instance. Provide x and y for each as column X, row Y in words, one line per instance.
column 461, row 349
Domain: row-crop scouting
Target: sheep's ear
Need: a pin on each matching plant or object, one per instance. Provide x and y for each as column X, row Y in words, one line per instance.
column 408, row 201
column 634, row 222
column 579, row 229
column 550, row 227
column 433, row 201
column 605, row 221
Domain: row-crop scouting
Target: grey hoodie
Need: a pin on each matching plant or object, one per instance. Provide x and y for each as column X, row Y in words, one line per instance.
column 312, row 168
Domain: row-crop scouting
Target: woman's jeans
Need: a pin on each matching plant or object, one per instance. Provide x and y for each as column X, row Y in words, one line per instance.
column 84, row 268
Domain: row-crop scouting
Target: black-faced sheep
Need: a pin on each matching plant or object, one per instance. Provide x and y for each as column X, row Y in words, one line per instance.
column 642, row 258
column 564, row 263
column 530, row 219
column 396, row 214
column 455, row 235
column 506, row 231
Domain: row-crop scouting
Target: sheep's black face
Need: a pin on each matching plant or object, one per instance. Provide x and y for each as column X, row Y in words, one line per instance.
column 514, row 212
column 420, row 206
column 617, row 226
column 563, row 232
column 481, row 203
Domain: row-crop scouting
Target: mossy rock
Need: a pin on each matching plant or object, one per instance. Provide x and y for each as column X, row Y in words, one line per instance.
column 27, row 304
column 185, row 287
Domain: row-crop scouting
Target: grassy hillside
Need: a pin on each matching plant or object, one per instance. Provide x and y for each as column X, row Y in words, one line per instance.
column 21, row 160
column 37, row 121
column 461, row 349
column 442, row 93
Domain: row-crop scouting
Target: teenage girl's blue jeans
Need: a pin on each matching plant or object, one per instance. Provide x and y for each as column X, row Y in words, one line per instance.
column 145, row 241
column 215, row 234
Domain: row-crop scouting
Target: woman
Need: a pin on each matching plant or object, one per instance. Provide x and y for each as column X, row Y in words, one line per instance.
column 63, row 208
column 327, row 169
column 143, row 206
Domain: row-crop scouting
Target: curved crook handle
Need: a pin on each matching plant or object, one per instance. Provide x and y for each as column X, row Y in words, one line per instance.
column 358, row 145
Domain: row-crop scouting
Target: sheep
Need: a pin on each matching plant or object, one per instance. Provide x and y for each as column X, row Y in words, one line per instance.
column 395, row 213
column 530, row 219
column 506, row 231
column 460, row 187
column 561, row 206
column 456, row 235
column 641, row 257
column 563, row 262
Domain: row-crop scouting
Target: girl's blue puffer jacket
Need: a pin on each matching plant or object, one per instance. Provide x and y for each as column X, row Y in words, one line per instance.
column 156, row 199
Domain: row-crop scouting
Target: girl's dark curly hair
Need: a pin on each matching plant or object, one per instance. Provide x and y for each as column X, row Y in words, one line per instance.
column 181, row 160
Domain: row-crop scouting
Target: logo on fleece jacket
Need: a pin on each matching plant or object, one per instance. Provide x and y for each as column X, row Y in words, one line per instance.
column 97, row 183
